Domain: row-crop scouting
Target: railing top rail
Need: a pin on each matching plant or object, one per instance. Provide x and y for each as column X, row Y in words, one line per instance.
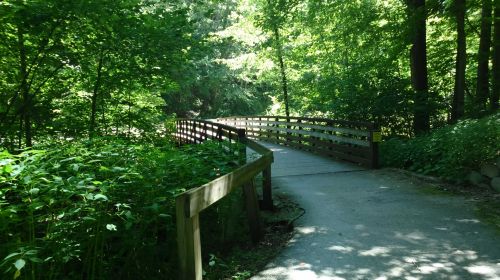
column 224, row 126
column 368, row 125
column 203, row 196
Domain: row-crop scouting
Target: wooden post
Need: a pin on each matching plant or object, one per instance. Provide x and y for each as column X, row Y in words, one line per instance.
column 299, row 121
column 205, row 135
column 188, row 241
column 375, row 138
column 288, row 128
column 242, row 141
column 267, row 195
column 193, row 133
column 252, row 208
column 277, row 131
column 178, row 132
column 219, row 133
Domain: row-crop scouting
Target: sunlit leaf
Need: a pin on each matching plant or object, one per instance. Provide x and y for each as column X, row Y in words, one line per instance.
column 19, row 264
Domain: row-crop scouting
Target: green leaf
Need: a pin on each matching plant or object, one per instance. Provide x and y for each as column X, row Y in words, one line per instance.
column 100, row 197
column 19, row 264
column 12, row 255
column 34, row 191
column 118, row 169
column 111, row 227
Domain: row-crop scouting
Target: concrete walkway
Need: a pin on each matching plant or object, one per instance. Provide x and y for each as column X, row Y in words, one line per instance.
column 374, row 224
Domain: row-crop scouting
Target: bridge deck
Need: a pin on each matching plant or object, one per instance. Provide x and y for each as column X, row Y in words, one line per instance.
column 375, row 224
column 292, row 162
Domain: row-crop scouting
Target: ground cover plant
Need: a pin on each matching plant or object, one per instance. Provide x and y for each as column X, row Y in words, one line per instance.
column 450, row 152
column 99, row 209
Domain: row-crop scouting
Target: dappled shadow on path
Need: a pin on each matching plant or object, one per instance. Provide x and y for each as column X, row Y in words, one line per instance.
column 368, row 225
column 408, row 254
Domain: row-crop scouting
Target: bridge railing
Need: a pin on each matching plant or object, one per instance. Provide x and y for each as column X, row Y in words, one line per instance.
column 352, row 141
column 190, row 203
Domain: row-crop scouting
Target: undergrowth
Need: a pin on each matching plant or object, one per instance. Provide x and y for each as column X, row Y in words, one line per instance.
column 450, row 152
column 101, row 210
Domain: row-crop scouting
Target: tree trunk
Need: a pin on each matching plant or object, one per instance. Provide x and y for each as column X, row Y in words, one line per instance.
column 457, row 107
column 496, row 58
column 284, row 83
column 483, row 56
column 418, row 59
column 23, row 76
column 94, row 97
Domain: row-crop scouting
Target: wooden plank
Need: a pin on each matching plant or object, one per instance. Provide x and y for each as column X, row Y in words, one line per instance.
column 204, row 196
column 258, row 124
column 267, row 196
column 188, row 242
column 252, row 209
column 359, row 124
column 358, row 150
column 340, row 139
column 258, row 147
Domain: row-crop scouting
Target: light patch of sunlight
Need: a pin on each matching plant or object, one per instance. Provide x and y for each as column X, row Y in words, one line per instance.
column 382, row 22
column 306, row 230
column 309, row 275
column 430, row 268
column 441, row 228
column 410, row 237
column 383, row 187
column 470, row 221
column 342, row 249
column 362, row 271
column 396, row 272
column 360, row 227
column 276, row 106
column 302, row 265
column 375, row 251
column 319, row 193
column 465, row 255
column 492, row 271
column 410, row 260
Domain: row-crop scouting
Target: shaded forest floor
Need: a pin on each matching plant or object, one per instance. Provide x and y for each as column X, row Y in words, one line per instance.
column 246, row 259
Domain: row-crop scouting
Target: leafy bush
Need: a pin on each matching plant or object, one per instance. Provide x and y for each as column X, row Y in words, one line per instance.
column 449, row 152
column 98, row 211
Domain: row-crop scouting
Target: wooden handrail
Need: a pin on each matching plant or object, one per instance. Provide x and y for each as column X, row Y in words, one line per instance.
column 352, row 141
column 368, row 125
column 190, row 203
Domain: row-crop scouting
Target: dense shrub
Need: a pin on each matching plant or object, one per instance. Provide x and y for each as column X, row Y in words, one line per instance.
column 98, row 211
column 449, row 152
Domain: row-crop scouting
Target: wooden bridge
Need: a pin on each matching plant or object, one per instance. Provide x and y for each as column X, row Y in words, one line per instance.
column 356, row 142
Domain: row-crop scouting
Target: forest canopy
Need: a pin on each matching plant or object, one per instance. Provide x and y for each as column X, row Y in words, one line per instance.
column 75, row 69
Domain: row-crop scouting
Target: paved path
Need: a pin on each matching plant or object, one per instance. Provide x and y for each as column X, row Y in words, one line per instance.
column 366, row 224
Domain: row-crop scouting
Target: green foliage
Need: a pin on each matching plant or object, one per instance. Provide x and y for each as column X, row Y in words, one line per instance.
column 450, row 152
column 99, row 210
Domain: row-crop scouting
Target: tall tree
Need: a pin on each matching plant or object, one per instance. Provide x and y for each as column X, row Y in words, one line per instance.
column 457, row 106
column 496, row 58
column 418, row 57
column 25, row 112
column 279, row 53
column 276, row 13
column 483, row 56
